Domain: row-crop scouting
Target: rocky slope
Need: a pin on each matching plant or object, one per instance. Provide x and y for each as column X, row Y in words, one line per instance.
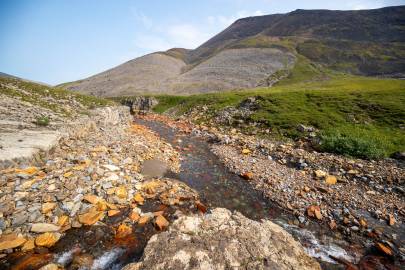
column 147, row 74
column 35, row 117
column 246, row 54
column 160, row 73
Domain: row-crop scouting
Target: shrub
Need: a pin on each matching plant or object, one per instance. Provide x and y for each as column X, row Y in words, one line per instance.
column 42, row 121
column 354, row 142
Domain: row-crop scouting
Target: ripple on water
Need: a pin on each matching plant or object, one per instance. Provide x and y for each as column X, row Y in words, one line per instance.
column 315, row 248
column 107, row 259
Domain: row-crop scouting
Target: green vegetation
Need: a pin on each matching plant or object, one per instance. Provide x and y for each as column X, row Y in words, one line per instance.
column 355, row 57
column 166, row 102
column 356, row 116
column 46, row 96
column 356, row 142
column 42, row 121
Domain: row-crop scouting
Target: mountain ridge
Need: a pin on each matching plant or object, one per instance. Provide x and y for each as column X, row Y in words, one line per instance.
column 363, row 42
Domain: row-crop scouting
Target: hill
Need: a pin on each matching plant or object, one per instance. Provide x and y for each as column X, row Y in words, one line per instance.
column 260, row 51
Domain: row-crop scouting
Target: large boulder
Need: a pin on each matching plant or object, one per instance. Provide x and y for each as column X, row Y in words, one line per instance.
column 143, row 104
column 223, row 240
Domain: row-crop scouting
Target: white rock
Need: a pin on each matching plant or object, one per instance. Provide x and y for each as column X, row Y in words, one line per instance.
column 51, row 187
column 44, row 227
column 111, row 167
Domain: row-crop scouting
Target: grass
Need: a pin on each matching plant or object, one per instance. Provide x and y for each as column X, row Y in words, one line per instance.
column 357, row 116
column 40, row 95
column 356, row 142
column 166, row 102
column 355, row 57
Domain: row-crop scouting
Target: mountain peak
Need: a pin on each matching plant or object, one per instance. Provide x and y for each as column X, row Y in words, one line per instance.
column 358, row 42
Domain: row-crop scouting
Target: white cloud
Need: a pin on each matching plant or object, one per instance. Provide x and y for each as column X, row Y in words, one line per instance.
column 158, row 37
column 187, row 35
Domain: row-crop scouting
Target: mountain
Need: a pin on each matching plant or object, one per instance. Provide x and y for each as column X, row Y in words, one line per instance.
column 262, row 50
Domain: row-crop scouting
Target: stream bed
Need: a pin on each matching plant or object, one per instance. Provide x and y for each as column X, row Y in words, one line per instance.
column 218, row 187
column 95, row 247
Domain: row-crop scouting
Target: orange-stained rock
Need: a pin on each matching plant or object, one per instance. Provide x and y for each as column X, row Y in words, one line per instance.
column 33, row 261
column 11, row 241
column 247, row 175
column 314, row 211
column 161, row 222
column 113, row 212
column 101, row 205
column 123, row 231
column 138, row 198
column 121, row 192
column 112, row 206
column 47, row 239
column 63, row 220
column 134, row 216
column 330, row 180
column 48, row 207
column 318, row 214
column 385, row 249
column 28, row 170
column 151, row 186
column 67, row 174
column 363, row 222
column 91, row 217
column 201, row 207
column 91, row 198
column 391, row 220
column 29, row 245
column 143, row 220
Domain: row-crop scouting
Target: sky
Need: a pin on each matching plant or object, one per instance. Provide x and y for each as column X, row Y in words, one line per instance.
column 55, row 41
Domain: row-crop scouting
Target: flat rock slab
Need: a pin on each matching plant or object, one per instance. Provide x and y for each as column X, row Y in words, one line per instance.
column 25, row 144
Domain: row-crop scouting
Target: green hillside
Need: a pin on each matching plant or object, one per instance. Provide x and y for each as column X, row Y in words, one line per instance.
column 359, row 116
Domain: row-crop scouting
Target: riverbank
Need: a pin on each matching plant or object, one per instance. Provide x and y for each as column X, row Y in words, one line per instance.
column 86, row 197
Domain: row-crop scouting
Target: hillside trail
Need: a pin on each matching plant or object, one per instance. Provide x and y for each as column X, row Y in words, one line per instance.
column 203, row 171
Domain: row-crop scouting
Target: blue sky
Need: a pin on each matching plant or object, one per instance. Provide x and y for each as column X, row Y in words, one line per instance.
column 55, row 41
